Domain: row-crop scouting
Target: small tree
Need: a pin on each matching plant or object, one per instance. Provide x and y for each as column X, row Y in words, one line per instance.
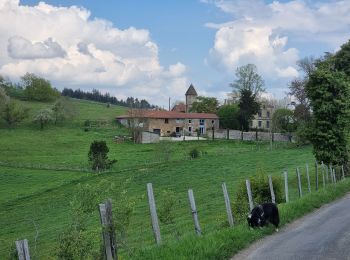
column 98, row 157
column 62, row 110
column 14, row 113
column 43, row 117
column 283, row 120
column 228, row 115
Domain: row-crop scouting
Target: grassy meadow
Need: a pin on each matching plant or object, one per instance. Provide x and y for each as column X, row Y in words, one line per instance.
column 40, row 171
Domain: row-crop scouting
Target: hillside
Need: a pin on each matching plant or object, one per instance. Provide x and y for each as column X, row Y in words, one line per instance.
column 40, row 171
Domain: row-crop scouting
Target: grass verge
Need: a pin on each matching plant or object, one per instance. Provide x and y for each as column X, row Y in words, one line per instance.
column 225, row 243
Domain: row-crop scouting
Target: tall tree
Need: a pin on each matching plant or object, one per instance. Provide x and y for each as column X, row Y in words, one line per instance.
column 248, row 107
column 328, row 92
column 248, row 79
column 4, row 99
column 283, row 120
column 205, row 105
column 38, row 89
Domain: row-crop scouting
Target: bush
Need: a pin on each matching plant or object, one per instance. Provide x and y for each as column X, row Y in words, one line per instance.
column 166, row 208
column 98, row 157
column 194, row 153
column 260, row 192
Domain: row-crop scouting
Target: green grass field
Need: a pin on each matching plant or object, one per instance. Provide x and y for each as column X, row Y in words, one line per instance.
column 40, row 170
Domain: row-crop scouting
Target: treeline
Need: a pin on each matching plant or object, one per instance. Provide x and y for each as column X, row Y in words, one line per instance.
column 96, row 95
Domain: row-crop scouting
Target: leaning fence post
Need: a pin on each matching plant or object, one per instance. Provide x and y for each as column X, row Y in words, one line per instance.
column 334, row 176
column 316, row 175
column 228, row 205
column 153, row 211
column 327, row 178
column 308, row 178
column 342, row 171
column 249, row 192
column 22, row 249
column 273, row 198
column 299, row 183
column 286, row 186
column 194, row 212
column 108, row 231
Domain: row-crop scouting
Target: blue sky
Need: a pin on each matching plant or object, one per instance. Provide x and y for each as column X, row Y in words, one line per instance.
column 155, row 49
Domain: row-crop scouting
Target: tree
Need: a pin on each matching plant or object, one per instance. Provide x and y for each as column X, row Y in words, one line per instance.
column 137, row 123
column 4, row 99
column 62, row 110
column 14, row 113
column 205, row 105
column 248, row 107
column 283, row 120
column 98, row 156
column 248, row 79
column 328, row 92
column 38, row 89
column 43, row 117
column 228, row 115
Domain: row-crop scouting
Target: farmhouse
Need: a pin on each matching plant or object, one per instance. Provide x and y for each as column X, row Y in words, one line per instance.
column 172, row 123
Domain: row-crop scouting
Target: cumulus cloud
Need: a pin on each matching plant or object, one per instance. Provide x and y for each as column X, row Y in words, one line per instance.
column 261, row 33
column 67, row 46
column 21, row 48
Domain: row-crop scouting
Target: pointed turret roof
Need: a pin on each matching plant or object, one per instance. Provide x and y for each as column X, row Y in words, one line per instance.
column 191, row 91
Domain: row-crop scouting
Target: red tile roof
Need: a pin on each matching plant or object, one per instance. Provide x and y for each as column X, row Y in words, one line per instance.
column 170, row 114
column 179, row 108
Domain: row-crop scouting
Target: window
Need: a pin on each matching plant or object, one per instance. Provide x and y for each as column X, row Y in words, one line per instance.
column 178, row 120
column 212, row 121
column 190, row 129
column 166, row 121
column 259, row 113
column 201, row 121
column 267, row 124
column 189, row 121
column 259, row 123
column 268, row 114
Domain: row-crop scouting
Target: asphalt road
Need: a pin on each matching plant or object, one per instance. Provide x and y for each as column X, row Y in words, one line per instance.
column 323, row 234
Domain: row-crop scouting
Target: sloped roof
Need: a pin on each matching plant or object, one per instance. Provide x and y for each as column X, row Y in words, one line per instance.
column 179, row 108
column 191, row 91
column 170, row 115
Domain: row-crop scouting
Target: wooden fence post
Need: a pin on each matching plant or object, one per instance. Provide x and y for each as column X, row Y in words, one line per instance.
column 334, row 176
column 227, row 204
column 108, row 231
column 22, row 249
column 323, row 176
column 194, row 212
column 342, row 172
column 308, row 178
column 316, row 175
column 299, row 183
column 153, row 211
column 273, row 198
column 249, row 192
column 327, row 179
column 286, row 185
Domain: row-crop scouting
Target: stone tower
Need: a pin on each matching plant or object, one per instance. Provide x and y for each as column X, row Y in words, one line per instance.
column 191, row 96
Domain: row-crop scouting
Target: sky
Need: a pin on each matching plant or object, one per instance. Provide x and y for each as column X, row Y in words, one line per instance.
column 155, row 49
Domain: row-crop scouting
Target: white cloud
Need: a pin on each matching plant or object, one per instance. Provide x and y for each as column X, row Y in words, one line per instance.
column 21, row 48
column 69, row 48
column 261, row 33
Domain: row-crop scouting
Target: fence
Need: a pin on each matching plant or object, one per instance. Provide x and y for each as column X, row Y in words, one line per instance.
column 325, row 175
column 249, row 136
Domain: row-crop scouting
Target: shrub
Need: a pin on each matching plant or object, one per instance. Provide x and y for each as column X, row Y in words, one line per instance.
column 166, row 208
column 87, row 125
column 260, row 191
column 98, row 157
column 194, row 153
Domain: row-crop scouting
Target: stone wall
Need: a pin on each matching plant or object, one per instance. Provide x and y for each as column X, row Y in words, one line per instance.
column 148, row 138
column 248, row 136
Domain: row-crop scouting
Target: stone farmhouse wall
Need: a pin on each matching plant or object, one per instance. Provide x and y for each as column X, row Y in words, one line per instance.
column 149, row 138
